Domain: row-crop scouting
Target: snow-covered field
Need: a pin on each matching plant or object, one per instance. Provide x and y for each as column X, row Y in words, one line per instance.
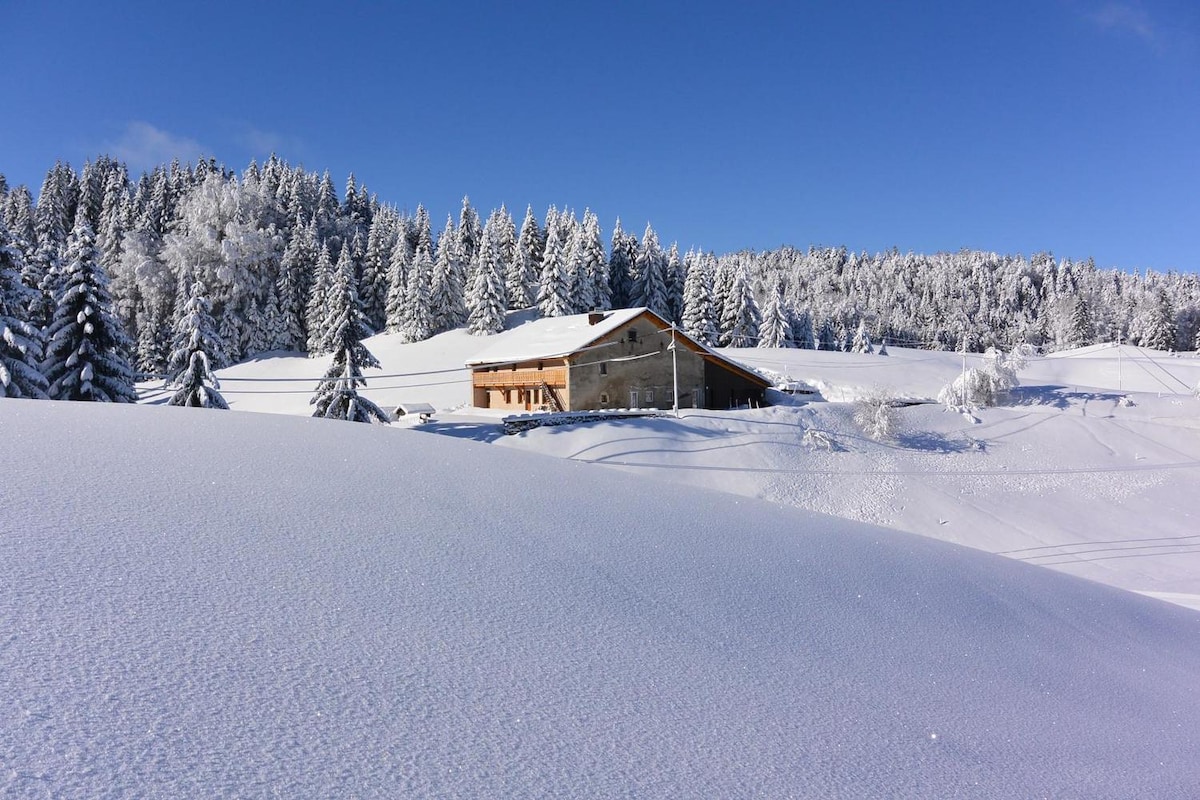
column 1066, row 475
column 197, row 603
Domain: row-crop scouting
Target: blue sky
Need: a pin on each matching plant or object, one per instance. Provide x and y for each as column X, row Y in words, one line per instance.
column 1063, row 125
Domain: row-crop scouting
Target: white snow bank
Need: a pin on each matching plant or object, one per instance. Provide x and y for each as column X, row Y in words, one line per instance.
column 202, row 604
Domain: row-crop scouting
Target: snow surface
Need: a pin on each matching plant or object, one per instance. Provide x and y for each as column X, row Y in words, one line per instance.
column 1090, row 469
column 199, row 603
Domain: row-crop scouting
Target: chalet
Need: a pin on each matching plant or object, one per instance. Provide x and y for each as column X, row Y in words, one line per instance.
column 607, row 359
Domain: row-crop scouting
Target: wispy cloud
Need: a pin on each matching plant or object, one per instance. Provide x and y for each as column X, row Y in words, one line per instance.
column 142, row 146
column 1128, row 18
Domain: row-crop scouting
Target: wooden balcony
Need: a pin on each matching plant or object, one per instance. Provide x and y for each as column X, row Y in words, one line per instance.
column 521, row 378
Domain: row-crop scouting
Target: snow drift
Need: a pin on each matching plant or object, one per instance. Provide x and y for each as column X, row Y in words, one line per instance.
column 202, row 603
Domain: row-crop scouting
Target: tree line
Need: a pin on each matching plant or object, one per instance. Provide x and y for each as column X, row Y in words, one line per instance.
column 103, row 278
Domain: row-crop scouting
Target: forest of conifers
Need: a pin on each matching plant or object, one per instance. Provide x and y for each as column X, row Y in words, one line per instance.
column 265, row 244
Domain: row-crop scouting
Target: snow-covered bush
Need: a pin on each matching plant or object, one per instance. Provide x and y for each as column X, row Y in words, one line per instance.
column 818, row 439
column 988, row 384
column 875, row 413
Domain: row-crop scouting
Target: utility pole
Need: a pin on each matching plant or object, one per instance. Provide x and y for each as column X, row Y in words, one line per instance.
column 963, row 393
column 1120, row 366
column 674, row 373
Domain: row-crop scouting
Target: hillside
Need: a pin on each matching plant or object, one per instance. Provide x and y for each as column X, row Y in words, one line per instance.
column 205, row 603
column 1067, row 474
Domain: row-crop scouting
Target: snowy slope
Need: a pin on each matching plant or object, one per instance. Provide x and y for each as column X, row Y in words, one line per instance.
column 202, row 604
column 1065, row 475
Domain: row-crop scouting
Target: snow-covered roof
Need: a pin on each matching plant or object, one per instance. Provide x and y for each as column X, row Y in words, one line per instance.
column 551, row 336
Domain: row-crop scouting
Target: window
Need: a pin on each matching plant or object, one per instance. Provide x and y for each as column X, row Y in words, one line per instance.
column 649, row 395
column 604, row 398
column 604, row 368
column 633, row 334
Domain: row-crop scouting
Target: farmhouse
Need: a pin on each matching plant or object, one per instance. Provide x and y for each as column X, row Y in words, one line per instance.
column 607, row 359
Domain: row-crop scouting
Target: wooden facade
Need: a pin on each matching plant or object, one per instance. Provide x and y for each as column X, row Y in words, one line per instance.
column 527, row 386
column 635, row 364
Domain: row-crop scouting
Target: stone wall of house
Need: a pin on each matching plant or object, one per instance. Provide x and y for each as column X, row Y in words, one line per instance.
column 625, row 371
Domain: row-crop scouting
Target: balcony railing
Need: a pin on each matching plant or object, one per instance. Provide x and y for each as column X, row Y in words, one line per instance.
column 555, row 376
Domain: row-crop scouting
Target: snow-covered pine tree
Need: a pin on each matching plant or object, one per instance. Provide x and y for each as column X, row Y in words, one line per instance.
column 231, row 329
column 652, row 269
column 595, row 262
column 196, row 347
column 327, row 209
column 675, row 278
column 722, row 276
column 485, row 298
column 1158, row 331
column 87, row 352
column 802, row 330
column 505, row 241
column 776, row 328
column 255, row 337
column 522, row 279
column 18, row 215
column 115, row 218
column 337, row 395
column 316, row 311
column 466, row 239
column 278, row 337
column 739, row 325
column 580, row 289
column 620, row 268
column 1079, row 330
column 20, row 342
column 294, row 283
column 698, row 321
column 447, row 292
column 416, row 321
column 552, row 298
column 398, row 267
column 862, row 340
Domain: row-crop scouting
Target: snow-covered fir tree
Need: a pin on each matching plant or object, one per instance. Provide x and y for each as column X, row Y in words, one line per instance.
column 293, row 285
column 622, row 255
column 776, row 328
column 698, row 320
column 579, row 286
column 399, row 265
column 449, row 309
column 196, row 348
column 486, row 298
column 337, row 394
column 652, row 270
column 316, row 311
column 862, row 340
column 594, row 264
column 522, row 279
column 87, row 352
column 740, row 320
column 416, row 319
column 505, row 240
column 467, row 237
column 20, row 342
column 1158, row 322
column 552, row 297
column 675, row 277
column 1079, row 334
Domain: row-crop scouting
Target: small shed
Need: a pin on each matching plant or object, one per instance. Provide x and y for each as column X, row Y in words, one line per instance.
column 423, row 411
